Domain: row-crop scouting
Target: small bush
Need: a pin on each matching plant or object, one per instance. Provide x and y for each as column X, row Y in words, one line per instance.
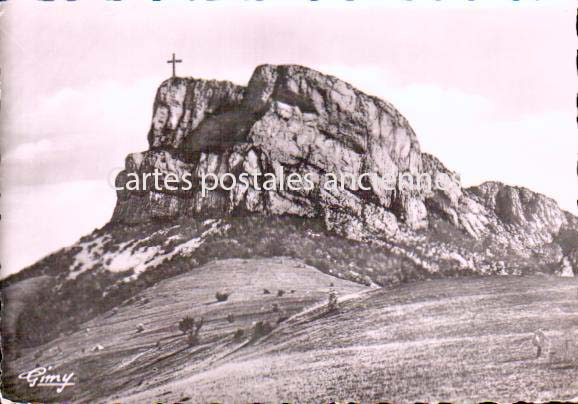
column 222, row 296
column 186, row 324
column 266, row 292
column 191, row 329
column 275, row 307
column 280, row 293
column 230, row 318
column 261, row 329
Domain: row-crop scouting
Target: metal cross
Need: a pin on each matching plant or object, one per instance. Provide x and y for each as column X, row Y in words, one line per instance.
column 174, row 62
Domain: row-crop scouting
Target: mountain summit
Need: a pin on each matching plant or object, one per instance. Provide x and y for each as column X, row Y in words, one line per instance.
column 288, row 118
column 294, row 120
column 301, row 121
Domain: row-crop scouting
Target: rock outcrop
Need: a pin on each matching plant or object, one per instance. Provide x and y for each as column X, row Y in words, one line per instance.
column 289, row 119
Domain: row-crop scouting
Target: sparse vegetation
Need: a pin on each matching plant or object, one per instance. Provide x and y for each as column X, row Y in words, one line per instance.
column 186, row 324
column 191, row 329
column 472, row 331
column 280, row 293
column 483, row 329
column 230, row 318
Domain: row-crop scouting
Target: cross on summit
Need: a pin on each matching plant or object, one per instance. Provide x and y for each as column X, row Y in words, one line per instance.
column 174, row 62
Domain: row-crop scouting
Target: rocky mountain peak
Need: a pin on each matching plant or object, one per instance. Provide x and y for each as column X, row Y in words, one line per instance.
column 291, row 119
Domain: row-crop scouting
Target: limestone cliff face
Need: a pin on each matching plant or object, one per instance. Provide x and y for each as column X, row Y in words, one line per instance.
column 290, row 119
column 182, row 104
column 513, row 219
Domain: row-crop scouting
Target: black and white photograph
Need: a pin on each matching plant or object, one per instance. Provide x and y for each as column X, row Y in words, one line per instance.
column 307, row 201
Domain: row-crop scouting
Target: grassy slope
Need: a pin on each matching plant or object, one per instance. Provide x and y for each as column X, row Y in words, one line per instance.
column 460, row 340
column 453, row 339
column 132, row 362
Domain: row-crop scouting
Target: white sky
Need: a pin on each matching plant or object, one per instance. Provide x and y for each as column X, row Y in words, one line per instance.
column 489, row 88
